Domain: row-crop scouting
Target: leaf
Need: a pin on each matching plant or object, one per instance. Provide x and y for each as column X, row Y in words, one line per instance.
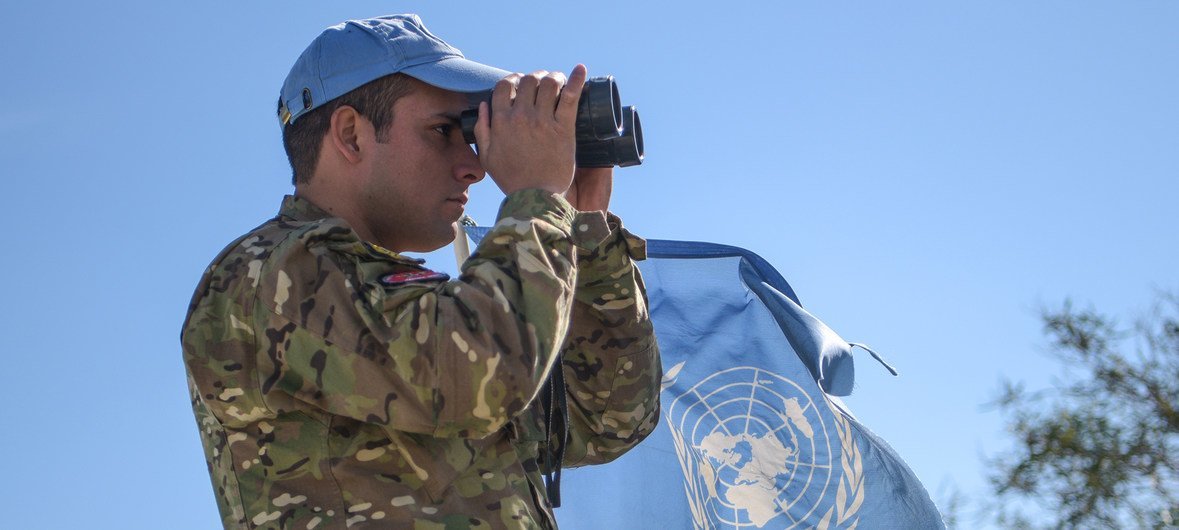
column 826, row 520
column 856, row 502
column 670, row 376
column 841, row 498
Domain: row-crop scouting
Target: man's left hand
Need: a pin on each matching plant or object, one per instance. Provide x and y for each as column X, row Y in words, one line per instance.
column 591, row 189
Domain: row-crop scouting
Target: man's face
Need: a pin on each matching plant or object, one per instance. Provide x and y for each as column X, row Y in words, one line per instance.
column 417, row 181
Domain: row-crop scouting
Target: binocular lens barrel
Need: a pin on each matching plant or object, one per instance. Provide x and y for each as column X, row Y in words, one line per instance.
column 599, row 111
column 623, row 151
column 606, row 133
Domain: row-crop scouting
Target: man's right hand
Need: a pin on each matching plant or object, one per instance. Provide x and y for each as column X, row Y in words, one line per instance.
column 529, row 140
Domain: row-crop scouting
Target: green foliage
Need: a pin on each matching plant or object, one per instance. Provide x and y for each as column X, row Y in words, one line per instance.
column 1100, row 449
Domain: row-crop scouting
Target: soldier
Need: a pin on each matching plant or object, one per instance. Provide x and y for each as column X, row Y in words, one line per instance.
column 338, row 383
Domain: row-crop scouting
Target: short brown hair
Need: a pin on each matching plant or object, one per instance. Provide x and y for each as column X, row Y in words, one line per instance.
column 373, row 100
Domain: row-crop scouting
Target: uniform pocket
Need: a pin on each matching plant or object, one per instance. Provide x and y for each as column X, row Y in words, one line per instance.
column 439, row 461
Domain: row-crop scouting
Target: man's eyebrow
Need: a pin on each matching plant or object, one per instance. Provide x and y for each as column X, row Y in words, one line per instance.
column 452, row 117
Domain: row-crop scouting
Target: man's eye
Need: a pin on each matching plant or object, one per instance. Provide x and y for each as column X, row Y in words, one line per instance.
column 444, row 130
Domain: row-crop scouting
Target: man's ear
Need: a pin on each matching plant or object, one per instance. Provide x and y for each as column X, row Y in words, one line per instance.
column 345, row 132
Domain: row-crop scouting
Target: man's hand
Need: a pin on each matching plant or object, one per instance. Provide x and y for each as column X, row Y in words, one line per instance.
column 528, row 139
column 591, row 188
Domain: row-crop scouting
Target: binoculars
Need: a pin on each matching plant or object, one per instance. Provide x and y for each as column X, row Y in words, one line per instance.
column 607, row 133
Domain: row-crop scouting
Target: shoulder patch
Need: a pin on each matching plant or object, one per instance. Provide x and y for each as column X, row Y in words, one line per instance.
column 399, row 278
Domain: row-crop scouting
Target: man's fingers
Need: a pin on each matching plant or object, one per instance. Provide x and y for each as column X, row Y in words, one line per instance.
column 550, row 88
column 505, row 92
column 527, row 88
column 522, row 142
column 570, row 95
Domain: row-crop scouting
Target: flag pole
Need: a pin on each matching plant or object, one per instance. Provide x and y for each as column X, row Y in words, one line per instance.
column 462, row 249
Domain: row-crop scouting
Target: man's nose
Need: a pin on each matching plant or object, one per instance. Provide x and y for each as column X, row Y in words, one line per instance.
column 468, row 167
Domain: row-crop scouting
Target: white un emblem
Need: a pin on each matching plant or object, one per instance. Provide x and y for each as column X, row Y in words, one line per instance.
column 757, row 452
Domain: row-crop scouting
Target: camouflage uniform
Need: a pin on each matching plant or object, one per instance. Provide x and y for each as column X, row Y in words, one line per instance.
column 330, row 394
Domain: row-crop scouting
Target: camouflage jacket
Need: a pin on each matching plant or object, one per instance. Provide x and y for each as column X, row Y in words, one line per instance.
column 337, row 384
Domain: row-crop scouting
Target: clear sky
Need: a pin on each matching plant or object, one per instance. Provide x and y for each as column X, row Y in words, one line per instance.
column 927, row 175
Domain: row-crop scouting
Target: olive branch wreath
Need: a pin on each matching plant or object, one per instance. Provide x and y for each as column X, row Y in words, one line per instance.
column 850, row 494
column 696, row 497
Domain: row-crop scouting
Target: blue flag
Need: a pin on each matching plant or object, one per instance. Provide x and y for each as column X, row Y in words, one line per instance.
column 751, row 432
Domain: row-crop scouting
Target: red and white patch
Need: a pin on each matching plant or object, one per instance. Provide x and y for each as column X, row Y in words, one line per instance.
column 399, row 278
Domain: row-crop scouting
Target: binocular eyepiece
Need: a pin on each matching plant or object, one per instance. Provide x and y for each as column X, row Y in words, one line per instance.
column 607, row 133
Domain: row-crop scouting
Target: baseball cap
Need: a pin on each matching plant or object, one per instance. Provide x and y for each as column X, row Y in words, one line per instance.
column 354, row 52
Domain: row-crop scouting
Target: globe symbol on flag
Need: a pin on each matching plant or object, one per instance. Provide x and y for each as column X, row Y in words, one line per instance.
column 755, row 450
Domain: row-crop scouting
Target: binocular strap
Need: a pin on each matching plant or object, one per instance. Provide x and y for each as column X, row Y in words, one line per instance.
column 556, row 412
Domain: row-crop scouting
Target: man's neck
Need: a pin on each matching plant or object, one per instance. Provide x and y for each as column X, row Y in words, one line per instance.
column 336, row 205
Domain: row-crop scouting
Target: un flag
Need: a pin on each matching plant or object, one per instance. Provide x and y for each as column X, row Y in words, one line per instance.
column 752, row 435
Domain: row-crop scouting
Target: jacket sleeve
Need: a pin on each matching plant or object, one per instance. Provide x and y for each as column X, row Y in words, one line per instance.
column 610, row 358
column 446, row 359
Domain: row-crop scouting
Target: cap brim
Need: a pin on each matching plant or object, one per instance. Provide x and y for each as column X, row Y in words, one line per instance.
column 457, row 74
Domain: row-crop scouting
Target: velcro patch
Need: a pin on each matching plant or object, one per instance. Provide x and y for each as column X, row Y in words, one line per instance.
column 399, row 278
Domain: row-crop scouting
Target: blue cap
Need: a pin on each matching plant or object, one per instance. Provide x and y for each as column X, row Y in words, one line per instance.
column 352, row 53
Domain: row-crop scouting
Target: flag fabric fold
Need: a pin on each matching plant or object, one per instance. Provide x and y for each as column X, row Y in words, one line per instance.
column 751, row 432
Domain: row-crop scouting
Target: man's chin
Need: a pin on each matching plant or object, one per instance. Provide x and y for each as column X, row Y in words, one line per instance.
column 430, row 243
column 455, row 232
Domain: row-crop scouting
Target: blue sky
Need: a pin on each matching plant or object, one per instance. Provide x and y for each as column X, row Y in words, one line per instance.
column 927, row 175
